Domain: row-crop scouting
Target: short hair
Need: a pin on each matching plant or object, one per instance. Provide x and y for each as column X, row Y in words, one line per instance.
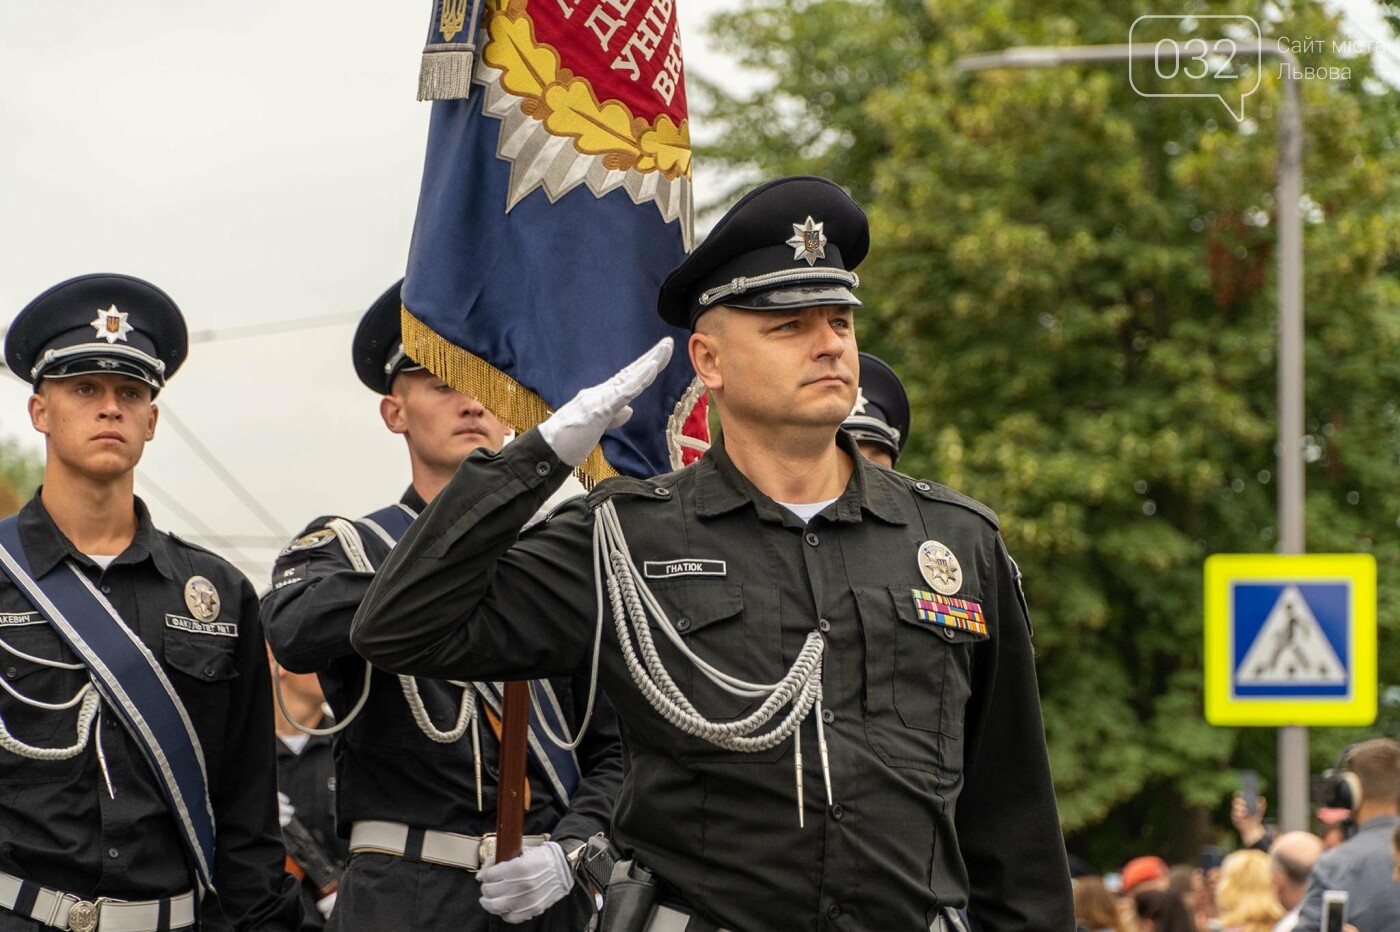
column 1376, row 764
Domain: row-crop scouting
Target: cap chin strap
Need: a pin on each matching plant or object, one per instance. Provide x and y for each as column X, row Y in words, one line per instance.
column 96, row 351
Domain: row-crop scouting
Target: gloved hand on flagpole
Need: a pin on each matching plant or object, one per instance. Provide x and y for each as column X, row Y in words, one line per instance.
column 575, row 429
column 524, row 887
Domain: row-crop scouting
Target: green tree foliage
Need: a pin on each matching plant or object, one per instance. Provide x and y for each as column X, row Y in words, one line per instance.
column 1078, row 285
column 20, row 474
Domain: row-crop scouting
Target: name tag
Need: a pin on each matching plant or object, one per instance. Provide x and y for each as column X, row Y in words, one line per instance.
column 290, row 576
column 223, row 629
column 666, row 569
column 15, row 619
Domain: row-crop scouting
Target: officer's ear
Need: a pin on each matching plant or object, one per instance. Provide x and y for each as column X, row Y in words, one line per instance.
column 704, row 347
column 391, row 410
column 39, row 409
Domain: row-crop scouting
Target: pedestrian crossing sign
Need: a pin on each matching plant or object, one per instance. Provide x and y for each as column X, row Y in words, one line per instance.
column 1290, row 640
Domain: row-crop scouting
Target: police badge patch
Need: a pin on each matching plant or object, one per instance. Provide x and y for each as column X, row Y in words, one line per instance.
column 310, row 541
column 940, row 567
column 202, row 599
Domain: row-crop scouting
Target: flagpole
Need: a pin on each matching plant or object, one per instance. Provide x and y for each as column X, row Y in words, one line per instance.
column 510, row 796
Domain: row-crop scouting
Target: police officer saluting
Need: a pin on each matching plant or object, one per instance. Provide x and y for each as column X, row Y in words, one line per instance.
column 879, row 422
column 137, row 782
column 823, row 669
column 417, row 762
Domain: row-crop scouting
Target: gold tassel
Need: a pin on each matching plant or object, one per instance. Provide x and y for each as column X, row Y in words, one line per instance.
column 520, row 408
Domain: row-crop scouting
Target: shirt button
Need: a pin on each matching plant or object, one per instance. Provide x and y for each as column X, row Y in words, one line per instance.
column 682, row 624
column 828, row 716
column 113, row 853
column 11, row 672
column 948, row 633
column 813, row 539
column 838, row 812
column 209, row 671
column 662, row 492
column 833, row 911
column 923, row 486
column 542, row 469
column 106, row 589
column 823, row 625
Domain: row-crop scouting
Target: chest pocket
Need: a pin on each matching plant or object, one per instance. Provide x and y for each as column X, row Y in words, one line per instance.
column 732, row 627
column 918, row 678
column 44, row 728
column 206, row 658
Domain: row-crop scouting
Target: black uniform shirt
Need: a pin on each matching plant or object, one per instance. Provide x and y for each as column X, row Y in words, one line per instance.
column 59, row 825
column 386, row 768
column 938, row 763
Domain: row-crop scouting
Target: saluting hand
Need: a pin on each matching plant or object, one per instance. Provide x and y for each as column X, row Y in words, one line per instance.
column 575, row 429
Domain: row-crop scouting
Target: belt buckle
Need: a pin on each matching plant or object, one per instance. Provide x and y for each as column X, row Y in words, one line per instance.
column 83, row 914
column 486, row 850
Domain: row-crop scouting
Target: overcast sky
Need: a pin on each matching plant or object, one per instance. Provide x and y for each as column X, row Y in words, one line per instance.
column 259, row 161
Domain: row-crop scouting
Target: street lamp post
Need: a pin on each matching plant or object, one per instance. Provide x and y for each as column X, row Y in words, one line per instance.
column 1292, row 739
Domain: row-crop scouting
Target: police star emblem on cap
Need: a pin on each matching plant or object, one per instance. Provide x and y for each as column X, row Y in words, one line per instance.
column 111, row 325
column 808, row 241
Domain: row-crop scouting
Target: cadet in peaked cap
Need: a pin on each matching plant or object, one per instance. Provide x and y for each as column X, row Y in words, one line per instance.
column 790, row 243
column 403, row 786
column 154, row 640
column 880, row 419
column 102, row 323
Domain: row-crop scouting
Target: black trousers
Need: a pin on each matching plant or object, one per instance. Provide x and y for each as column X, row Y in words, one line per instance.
column 380, row 892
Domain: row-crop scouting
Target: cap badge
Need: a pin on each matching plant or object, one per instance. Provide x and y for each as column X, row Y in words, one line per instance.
column 940, row 567
column 202, row 599
column 107, row 363
column 111, row 325
column 861, row 402
column 808, row 241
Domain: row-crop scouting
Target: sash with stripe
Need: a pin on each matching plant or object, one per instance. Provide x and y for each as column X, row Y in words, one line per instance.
column 559, row 765
column 131, row 681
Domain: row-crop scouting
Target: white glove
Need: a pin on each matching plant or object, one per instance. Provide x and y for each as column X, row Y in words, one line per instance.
column 575, row 429
column 325, row 904
column 286, row 812
column 523, row 888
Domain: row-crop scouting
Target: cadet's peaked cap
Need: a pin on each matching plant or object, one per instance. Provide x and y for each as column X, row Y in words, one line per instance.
column 105, row 323
column 790, row 243
column 378, row 343
column 881, row 414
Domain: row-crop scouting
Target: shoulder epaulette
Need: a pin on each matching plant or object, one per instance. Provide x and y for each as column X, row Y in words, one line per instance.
column 625, row 486
column 936, row 492
column 193, row 546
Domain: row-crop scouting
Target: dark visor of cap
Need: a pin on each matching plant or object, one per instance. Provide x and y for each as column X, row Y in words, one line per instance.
column 779, row 299
column 869, row 430
column 99, row 363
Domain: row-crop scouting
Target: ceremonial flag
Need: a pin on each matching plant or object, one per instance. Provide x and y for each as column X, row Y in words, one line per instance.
column 555, row 198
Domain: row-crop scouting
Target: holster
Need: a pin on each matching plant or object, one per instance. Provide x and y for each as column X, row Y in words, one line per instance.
column 630, row 897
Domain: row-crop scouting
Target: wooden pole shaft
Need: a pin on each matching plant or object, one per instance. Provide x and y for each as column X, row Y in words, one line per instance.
column 510, row 797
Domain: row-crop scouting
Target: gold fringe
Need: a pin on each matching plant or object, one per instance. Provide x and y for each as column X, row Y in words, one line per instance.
column 446, row 75
column 510, row 401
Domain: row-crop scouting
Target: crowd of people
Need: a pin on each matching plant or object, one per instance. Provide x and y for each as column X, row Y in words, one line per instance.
column 1273, row 882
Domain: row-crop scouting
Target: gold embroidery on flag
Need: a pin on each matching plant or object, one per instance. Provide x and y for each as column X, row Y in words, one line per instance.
column 568, row 106
column 454, row 17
